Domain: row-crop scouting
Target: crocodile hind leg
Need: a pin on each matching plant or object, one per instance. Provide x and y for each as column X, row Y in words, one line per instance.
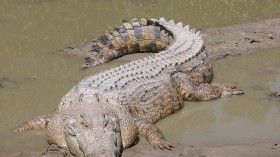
column 203, row 91
column 153, row 134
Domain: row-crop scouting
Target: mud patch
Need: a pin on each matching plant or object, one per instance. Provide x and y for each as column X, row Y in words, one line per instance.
column 6, row 82
column 242, row 38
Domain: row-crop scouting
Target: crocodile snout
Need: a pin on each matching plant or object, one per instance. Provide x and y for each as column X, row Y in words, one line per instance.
column 93, row 135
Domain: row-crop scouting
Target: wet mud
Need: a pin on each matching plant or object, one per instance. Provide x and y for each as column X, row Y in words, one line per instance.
column 274, row 93
column 220, row 42
column 242, row 38
column 6, row 82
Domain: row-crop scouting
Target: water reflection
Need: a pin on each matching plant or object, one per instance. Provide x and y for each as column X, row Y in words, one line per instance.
column 244, row 109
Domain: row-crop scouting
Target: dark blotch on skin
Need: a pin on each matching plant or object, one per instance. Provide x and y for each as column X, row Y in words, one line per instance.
column 121, row 29
column 136, row 47
column 204, row 76
column 89, row 60
column 111, row 46
column 195, row 69
column 171, row 98
column 100, row 57
column 104, row 39
column 125, row 49
column 157, row 32
column 111, row 56
column 96, row 48
column 173, row 110
column 125, row 36
column 153, row 45
column 138, row 32
column 150, row 22
column 120, row 51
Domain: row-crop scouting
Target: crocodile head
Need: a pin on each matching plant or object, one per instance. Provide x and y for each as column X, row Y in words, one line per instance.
column 93, row 135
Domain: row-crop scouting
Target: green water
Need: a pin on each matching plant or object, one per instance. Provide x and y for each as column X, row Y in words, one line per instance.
column 31, row 31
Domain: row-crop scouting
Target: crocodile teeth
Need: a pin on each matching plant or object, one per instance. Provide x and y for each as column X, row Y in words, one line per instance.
column 162, row 19
column 187, row 27
column 172, row 22
column 180, row 24
column 198, row 33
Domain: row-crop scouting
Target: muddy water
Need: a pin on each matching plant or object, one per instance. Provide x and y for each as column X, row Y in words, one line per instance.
column 31, row 30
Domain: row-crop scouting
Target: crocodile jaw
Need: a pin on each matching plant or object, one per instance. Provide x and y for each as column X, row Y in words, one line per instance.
column 93, row 135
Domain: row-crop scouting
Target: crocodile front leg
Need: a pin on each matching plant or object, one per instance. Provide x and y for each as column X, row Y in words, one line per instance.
column 204, row 91
column 153, row 134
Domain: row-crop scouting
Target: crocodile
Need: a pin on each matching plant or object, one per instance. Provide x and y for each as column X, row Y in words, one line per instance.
column 104, row 113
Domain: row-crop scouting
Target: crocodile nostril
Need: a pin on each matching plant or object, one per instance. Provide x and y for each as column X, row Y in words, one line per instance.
column 105, row 123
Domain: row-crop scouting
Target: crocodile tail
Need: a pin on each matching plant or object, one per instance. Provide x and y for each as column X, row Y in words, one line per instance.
column 39, row 122
column 137, row 36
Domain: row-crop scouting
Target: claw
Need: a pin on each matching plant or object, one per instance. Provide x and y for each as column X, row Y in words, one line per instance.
column 85, row 66
column 163, row 145
column 238, row 92
column 230, row 90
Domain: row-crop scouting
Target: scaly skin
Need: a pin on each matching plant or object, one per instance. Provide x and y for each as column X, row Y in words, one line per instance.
column 105, row 112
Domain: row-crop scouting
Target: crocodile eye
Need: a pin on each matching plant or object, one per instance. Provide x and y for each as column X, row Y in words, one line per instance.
column 84, row 122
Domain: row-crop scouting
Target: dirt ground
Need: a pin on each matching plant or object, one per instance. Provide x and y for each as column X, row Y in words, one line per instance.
column 221, row 42
column 242, row 38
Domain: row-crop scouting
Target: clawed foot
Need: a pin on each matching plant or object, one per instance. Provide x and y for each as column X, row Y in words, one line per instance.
column 162, row 145
column 229, row 90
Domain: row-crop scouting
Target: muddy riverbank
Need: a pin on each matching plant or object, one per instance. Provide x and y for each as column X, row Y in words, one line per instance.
column 221, row 42
column 6, row 82
column 242, row 38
